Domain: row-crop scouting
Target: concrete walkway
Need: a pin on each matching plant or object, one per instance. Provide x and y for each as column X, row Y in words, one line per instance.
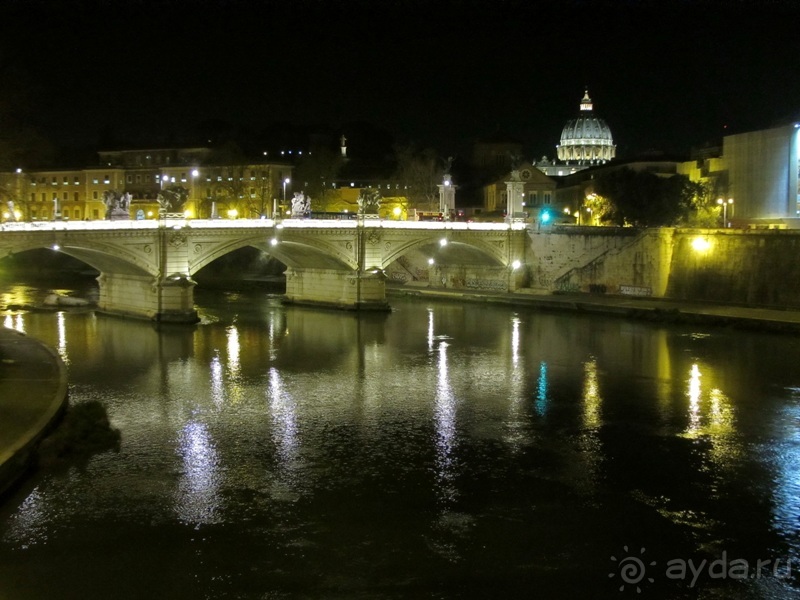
column 33, row 394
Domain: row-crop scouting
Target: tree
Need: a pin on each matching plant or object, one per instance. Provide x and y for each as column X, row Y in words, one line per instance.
column 173, row 198
column 644, row 199
column 15, row 194
column 316, row 171
column 418, row 175
column 237, row 183
column 706, row 211
column 369, row 201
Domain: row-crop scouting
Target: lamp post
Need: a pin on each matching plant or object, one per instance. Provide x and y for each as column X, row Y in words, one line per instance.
column 195, row 201
column 285, row 181
column 724, row 203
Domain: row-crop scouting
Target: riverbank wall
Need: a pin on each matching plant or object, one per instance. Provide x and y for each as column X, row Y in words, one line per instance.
column 33, row 397
column 739, row 267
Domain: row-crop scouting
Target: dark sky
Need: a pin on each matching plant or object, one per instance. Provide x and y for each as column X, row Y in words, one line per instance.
column 664, row 75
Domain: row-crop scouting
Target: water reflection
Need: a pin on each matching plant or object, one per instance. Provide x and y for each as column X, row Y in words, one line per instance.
column 517, row 381
column 694, row 401
column 15, row 322
column 431, row 335
column 28, row 526
column 541, row 390
column 62, row 337
column 445, row 414
column 372, row 453
column 712, row 416
column 217, row 384
column 515, row 340
column 285, row 437
column 591, row 395
column 233, row 385
column 784, row 458
column 233, row 351
column 197, row 498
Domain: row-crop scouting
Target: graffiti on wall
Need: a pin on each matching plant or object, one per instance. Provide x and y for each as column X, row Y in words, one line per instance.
column 566, row 286
column 492, row 285
column 635, row 290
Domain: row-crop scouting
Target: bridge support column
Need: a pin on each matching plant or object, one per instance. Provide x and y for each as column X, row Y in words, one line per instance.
column 169, row 300
column 337, row 289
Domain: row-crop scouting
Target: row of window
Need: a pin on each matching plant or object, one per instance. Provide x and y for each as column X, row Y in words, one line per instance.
column 76, row 181
column 139, row 178
column 64, row 196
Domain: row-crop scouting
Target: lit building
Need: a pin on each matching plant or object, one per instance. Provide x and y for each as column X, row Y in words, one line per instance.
column 537, row 191
column 206, row 190
column 757, row 172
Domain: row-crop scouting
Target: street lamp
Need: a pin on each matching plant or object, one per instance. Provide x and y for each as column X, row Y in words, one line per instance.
column 285, row 181
column 724, row 203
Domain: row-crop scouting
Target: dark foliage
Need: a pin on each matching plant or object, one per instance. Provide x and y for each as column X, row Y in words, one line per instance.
column 84, row 431
column 644, row 199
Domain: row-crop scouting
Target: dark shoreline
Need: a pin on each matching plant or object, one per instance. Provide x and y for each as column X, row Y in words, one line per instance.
column 641, row 309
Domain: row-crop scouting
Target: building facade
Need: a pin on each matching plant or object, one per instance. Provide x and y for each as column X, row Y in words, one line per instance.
column 537, row 191
column 146, row 182
column 756, row 175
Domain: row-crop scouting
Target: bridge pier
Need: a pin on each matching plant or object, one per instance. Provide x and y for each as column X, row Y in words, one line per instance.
column 169, row 300
column 353, row 290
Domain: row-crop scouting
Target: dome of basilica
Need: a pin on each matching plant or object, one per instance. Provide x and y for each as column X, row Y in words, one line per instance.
column 586, row 140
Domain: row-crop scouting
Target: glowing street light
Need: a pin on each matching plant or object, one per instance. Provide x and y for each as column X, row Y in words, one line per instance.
column 700, row 244
column 724, row 203
column 285, row 182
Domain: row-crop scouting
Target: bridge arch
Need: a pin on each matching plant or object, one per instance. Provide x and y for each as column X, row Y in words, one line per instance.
column 97, row 256
column 472, row 250
column 293, row 250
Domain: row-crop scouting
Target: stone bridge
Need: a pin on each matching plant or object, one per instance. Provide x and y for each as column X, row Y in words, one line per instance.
column 146, row 267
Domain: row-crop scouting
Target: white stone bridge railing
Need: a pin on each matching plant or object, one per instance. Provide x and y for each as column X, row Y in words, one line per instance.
column 253, row 223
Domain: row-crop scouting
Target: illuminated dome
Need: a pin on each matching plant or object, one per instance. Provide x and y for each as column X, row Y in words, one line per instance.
column 587, row 139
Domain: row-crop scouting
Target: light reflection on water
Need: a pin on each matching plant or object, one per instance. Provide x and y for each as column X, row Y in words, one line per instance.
column 443, row 445
column 197, row 497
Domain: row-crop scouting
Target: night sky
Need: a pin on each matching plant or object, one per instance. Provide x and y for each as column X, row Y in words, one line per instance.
column 664, row 75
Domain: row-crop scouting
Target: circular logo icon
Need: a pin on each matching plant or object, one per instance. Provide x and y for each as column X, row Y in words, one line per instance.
column 631, row 569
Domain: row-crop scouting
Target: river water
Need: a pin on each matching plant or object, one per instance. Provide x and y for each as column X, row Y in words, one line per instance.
column 442, row 450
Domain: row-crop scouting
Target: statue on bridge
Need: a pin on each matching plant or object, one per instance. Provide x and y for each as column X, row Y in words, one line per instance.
column 301, row 205
column 116, row 206
column 173, row 198
column 163, row 203
column 369, row 201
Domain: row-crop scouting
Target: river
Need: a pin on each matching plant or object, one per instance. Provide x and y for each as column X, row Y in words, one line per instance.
column 442, row 450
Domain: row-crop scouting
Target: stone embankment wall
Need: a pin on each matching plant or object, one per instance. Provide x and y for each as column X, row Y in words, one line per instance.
column 601, row 260
column 742, row 267
column 731, row 266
